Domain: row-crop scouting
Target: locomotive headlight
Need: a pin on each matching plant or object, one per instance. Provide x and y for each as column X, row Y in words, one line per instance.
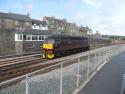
column 48, row 46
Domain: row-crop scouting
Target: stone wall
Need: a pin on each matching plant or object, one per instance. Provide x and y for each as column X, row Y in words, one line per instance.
column 6, row 23
column 18, row 47
column 7, row 43
column 9, row 24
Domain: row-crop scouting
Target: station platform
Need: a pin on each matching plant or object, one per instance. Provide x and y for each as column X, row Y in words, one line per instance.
column 108, row 80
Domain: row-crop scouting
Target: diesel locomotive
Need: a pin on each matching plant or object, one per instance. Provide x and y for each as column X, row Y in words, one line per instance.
column 57, row 44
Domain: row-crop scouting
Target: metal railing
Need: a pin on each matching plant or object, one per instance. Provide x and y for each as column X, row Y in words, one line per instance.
column 64, row 78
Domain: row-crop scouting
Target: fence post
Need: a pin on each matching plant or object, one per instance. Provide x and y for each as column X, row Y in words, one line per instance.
column 120, row 47
column 107, row 52
column 78, row 73
column 61, row 77
column 110, row 52
column 99, row 63
column 95, row 62
column 27, row 85
column 102, row 57
column 88, row 64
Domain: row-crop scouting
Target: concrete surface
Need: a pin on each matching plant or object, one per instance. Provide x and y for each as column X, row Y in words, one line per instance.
column 109, row 79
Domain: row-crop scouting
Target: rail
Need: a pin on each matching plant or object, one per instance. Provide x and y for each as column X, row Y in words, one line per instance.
column 67, row 77
column 18, row 55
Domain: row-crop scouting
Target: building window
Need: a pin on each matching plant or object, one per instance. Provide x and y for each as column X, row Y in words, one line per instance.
column 28, row 37
column 20, row 37
column 24, row 37
column 16, row 22
column 46, row 26
column 41, row 37
column 34, row 37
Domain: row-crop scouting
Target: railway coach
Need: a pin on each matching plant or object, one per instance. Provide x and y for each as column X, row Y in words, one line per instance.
column 58, row 44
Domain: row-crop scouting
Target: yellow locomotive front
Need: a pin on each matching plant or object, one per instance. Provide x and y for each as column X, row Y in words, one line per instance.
column 48, row 48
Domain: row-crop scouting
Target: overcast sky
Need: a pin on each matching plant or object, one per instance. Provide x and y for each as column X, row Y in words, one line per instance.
column 106, row 16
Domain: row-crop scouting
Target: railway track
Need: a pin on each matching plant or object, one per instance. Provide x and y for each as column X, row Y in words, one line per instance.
column 19, row 68
column 10, row 67
column 9, row 72
column 16, row 60
column 14, row 67
column 18, row 55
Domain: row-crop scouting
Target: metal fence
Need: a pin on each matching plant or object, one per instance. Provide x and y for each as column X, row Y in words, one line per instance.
column 64, row 78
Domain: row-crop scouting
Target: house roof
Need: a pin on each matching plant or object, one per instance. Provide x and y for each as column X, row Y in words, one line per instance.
column 15, row 16
column 49, row 18
column 38, row 22
column 20, row 17
column 5, row 15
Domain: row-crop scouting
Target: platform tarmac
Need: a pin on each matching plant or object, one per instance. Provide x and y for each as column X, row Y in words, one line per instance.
column 108, row 80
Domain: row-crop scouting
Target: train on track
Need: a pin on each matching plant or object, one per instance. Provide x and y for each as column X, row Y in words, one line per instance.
column 58, row 44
